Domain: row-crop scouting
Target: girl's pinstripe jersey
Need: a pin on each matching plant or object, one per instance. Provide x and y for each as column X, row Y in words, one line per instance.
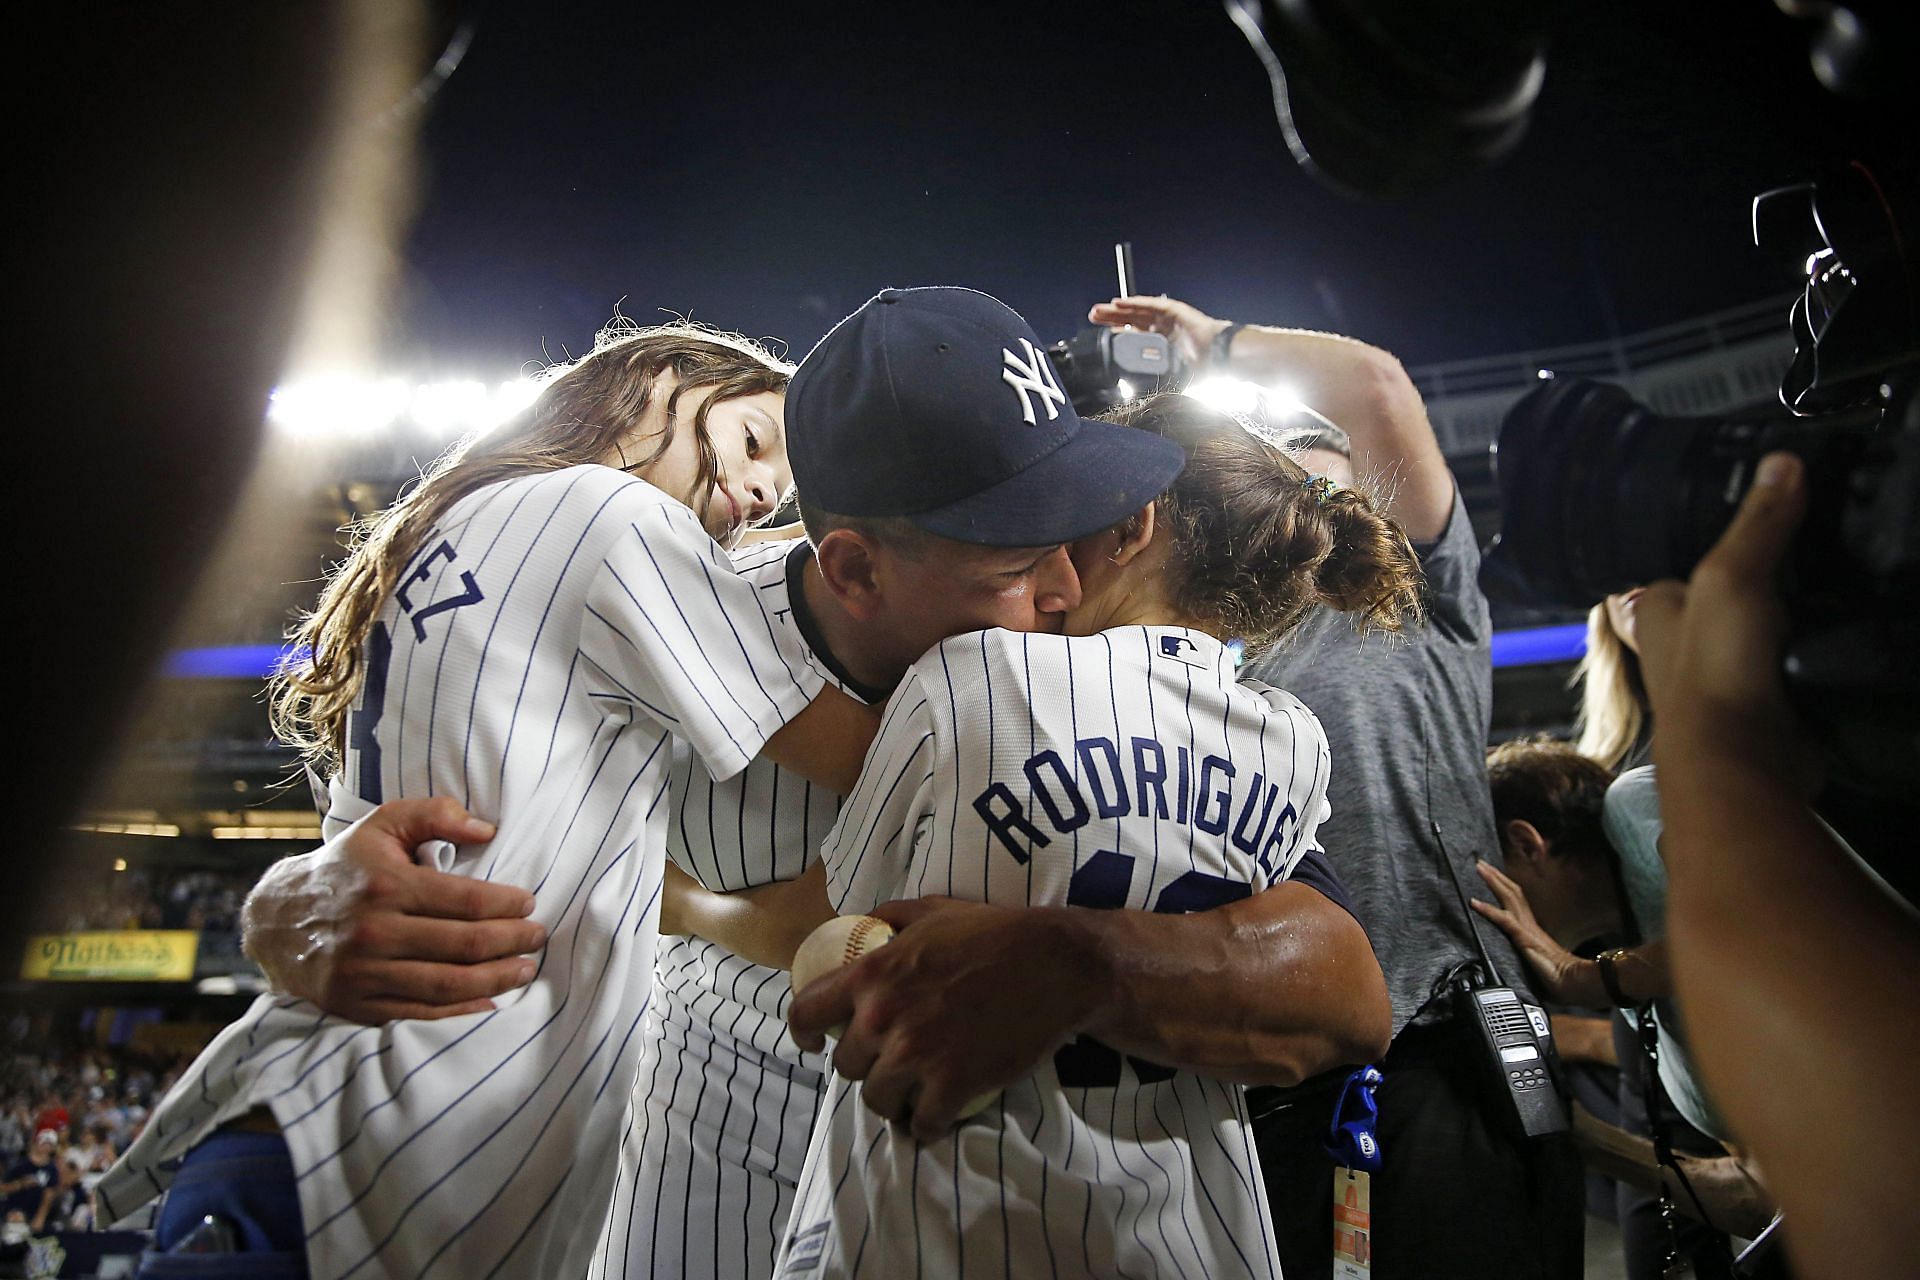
column 712, row 1146
column 548, row 643
column 1124, row 769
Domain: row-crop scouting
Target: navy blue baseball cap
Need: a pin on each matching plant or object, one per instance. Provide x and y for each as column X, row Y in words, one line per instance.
column 940, row 406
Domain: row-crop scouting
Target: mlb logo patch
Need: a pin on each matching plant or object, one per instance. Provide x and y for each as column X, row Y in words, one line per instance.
column 1181, row 649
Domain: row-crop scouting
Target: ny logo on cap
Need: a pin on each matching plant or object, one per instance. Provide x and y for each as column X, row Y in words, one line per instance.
column 1034, row 374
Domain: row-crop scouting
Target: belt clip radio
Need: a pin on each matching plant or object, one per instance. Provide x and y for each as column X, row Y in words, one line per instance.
column 1516, row 1040
column 1518, row 1053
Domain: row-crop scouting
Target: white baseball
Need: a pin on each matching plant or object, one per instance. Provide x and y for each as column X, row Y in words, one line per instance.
column 841, row 941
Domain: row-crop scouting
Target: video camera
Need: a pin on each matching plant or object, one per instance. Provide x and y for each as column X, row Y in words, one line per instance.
column 1599, row 494
column 1101, row 367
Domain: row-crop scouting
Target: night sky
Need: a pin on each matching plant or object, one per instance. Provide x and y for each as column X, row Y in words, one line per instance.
column 768, row 168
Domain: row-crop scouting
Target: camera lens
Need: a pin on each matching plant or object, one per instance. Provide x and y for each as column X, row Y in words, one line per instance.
column 1599, row 494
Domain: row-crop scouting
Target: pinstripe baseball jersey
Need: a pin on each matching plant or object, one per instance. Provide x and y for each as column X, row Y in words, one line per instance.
column 538, row 656
column 1124, row 769
column 712, row 1146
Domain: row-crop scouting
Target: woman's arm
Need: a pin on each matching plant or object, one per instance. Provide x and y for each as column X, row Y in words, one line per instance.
column 765, row 924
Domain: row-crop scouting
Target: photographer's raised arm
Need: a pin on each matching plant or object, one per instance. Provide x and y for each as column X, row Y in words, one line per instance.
column 1797, row 965
column 1360, row 388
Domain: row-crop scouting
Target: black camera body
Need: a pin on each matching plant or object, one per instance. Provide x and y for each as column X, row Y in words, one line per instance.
column 1598, row 494
column 1101, row 367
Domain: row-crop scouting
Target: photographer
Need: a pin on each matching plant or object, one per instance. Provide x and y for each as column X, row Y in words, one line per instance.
column 1797, row 965
column 1458, row 1195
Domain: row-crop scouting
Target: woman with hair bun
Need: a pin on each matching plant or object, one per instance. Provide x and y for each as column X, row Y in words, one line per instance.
column 1252, row 542
column 1121, row 764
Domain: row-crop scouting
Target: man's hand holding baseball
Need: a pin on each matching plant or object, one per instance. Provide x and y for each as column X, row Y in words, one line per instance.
column 966, row 999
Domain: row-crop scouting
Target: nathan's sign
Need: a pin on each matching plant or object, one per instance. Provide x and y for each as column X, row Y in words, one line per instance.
column 132, row 955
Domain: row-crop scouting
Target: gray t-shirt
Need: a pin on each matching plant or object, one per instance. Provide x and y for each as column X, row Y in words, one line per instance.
column 1406, row 719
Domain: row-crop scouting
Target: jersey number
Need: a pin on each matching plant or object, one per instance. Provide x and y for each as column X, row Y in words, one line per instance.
column 373, row 704
column 1102, row 882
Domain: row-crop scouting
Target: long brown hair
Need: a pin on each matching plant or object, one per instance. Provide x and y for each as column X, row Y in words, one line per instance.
column 1259, row 542
column 583, row 412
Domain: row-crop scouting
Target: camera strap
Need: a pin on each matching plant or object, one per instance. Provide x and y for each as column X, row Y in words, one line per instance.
column 1654, row 1095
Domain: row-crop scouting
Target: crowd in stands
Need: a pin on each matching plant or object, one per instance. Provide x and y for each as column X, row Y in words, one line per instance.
column 143, row 898
column 64, row 1119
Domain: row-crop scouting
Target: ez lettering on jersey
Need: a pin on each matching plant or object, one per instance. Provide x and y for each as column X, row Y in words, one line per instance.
column 1150, row 781
column 366, row 717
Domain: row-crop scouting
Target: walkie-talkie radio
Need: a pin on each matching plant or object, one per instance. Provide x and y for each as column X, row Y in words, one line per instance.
column 1519, row 1053
column 1519, row 1045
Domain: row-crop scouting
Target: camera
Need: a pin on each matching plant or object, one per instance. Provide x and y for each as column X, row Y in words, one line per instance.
column 1100, row 367
column 1599, row 494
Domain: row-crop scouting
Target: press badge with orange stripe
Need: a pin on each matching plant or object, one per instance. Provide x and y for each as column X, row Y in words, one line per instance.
column 1352, row 1225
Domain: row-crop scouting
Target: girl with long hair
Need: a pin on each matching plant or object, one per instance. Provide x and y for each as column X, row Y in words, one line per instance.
column 522, row 632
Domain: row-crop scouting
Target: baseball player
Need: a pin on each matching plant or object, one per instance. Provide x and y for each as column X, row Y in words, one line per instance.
column 1119, row 765
column 718, row 1129
column 724, row 1103
column 527, row 632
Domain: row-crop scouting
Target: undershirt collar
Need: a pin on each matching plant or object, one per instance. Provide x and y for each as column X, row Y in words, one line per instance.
column 797, row 561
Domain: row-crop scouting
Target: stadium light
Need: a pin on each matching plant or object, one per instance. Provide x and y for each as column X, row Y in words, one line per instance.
column 1282, row 398
column 338, row 406
column 288, row 831
column 344, row 407
column 1229, row 395
column 115, row 827
column 1248, row 399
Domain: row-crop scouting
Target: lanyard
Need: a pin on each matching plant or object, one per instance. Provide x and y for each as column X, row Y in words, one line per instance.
column 1352, row 1140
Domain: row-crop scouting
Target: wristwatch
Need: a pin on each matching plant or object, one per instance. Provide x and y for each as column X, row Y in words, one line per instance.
column 1219, row 352
column 1610, row 977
